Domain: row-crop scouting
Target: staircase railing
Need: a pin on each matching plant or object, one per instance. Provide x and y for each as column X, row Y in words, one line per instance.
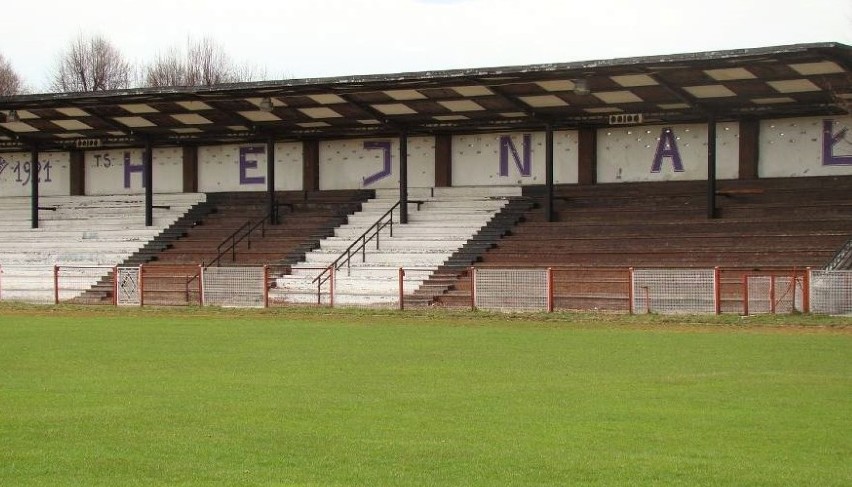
column 231, row 241
column 359, row 244
column 840, row 257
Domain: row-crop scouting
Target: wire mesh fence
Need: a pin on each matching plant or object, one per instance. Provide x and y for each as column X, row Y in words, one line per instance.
column 83, row 284
column 772, row 294
column 831, row 292
column 675, row 291
column 242, row 287
column 511, row 289
column 489, row 288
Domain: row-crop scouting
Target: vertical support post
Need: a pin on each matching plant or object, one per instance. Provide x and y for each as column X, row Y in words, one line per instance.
column 745, row 294
column 711, row 168
column 631, row 292
column 717, row 290
column 34, row 177
column 403, row 177
column 310, row 166
column 190, row 169
column 806, row 291
column 550, row 289
column 587, row 159
column 1, row 282
column 265, row 286
column 472, row 273
column 270, row 180
column 749, row 149
column 401, row 288
column 548, row 172
column 148, row 181
column 443, row 160
column 77, row 173
column 55, row 284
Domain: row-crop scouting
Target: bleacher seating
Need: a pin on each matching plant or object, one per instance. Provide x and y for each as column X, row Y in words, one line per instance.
column 603, row 229
column 76, row 231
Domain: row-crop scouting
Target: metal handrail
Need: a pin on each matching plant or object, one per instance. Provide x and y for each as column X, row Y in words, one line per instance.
column 363, row 240
column 840, row 257
column 271, row 216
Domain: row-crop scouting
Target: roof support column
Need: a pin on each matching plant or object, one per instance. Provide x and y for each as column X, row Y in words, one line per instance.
column 34, row 174
column 403, row 177
column 711, row 168
column 148, row 181
column 548, row 173
column 270, row 180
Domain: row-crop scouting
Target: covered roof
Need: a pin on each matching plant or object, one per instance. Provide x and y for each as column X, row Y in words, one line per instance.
column 805, row 79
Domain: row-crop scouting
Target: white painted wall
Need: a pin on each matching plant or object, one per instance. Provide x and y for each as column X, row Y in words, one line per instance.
column 626, row 154
column 348, row 164
column 55, row 174
column 105, row 171
column 476, row 159
column 794, row 147
column 219, row 167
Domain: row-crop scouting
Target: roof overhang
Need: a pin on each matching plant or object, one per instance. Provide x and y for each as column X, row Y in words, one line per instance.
column 783, row 81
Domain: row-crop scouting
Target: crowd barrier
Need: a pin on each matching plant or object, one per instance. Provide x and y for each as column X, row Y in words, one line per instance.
column 512, row 289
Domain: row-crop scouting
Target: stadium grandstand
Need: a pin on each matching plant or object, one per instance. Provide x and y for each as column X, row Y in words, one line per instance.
column 716, row 182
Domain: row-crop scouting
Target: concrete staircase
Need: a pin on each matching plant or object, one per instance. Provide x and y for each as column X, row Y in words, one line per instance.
column 441, row 221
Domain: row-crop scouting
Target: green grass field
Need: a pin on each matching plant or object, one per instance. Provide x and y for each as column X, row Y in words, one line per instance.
column 101, row 396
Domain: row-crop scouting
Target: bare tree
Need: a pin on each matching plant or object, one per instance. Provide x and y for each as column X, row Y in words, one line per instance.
column 203, row 63
column 10, row 82
column 91, row 64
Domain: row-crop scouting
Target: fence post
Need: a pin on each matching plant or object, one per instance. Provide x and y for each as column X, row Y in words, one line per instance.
column 550, row 290
column 401, row 288
column 745, row 294
column 115, row 285
column 631, row 292
column 55, row 284
column 200, row 286
column 265, row 286
column 717, row 290
column 806, row 291
column 331, row 281
column 772, row 294
column 472, row 288
column 1, row 282
column 141, row 285
column 201, row 299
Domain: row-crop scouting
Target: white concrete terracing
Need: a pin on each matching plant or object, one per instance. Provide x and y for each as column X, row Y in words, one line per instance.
column 440, row 221
column 76, row 231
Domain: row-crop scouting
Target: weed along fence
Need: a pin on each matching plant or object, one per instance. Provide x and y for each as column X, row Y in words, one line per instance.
column 510, row 289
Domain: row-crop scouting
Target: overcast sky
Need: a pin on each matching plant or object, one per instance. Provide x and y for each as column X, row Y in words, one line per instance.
column 318, row 38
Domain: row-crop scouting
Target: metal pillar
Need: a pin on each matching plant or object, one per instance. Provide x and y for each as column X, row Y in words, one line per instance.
column 548, row 172
column 711, row 168
column 403, row 177
column 270, row 180
column 148, row 182
column 34, row 176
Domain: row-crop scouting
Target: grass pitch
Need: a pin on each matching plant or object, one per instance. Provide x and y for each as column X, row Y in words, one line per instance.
column 206, row 397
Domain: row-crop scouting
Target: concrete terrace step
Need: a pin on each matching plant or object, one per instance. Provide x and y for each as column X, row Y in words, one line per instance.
column 440, row 222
